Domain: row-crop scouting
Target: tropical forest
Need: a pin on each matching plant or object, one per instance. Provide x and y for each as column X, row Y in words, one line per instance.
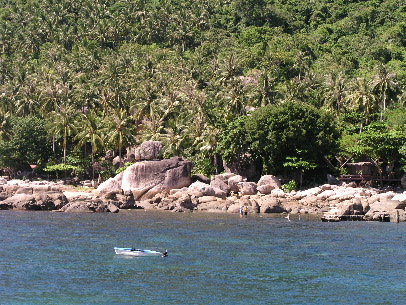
column 290, row 85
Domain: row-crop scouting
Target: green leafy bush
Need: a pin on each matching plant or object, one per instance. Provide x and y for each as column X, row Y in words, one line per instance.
column 290, row 186
column 121, row 169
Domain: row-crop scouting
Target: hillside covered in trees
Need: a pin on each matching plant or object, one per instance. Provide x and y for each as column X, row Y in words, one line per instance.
column 78, row 78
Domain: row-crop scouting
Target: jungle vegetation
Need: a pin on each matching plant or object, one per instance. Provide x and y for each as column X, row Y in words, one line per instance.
column 79, row 78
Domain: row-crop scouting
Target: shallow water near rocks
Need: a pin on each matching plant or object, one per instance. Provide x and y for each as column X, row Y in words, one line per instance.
column 63, row 258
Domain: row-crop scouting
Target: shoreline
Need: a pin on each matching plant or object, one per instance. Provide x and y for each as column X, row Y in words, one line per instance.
column 317, row 201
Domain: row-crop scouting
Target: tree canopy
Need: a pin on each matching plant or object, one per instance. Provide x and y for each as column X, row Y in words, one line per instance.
column 288, row 135
column 183, row 71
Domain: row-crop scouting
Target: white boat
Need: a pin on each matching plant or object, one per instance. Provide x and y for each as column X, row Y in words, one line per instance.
column 139, row 252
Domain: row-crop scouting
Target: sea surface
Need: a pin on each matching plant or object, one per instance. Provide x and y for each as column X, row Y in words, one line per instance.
column 63, row 258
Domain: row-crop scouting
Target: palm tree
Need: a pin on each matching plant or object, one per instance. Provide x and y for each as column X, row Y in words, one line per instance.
column 61, row 123
column 172, row 139
column 384, row 84
column 120, row 130
column 151, row 128
column 89, row 131
column 294, row 90
column 265, row 89
column 334, row 92
column 4, row 125
column 146, row 99
column 361, row 98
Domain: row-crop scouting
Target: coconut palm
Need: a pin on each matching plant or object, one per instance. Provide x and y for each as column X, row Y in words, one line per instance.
column 334, row 91
column 151, row 128
column 385, row 86
column 61, row 123
column 89, row 131
column 119, row 130
column 4, row 125
column 172, row 139
column 361, row 98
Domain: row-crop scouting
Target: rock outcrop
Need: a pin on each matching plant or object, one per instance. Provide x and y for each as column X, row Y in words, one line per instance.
column 145, row 179
column 148, row 150
column 44, row 201
column 166, row 185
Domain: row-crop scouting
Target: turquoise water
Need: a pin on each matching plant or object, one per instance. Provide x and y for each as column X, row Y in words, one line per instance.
column 62, row 258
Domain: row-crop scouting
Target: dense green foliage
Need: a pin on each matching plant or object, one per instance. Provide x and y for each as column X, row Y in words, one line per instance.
column 26, row 145
column 290, row 135
column 106, row 74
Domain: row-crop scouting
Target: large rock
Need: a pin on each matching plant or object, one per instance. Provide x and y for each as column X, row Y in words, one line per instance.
column 268, row 183
column 148, row 150
column 220, row 182
column 212, row 204
column 233, row 182
column 111, row 185
column 147, row 178
column 175, row 203
column 200, row 189
column 270, row 205
column 269, row 180
column 41, row 201
column 247, row 188
column 118, row 162
column 89, row 206
column 77, row 207
column 385, row 207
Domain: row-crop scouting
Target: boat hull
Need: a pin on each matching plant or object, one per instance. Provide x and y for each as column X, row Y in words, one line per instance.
column 136, row 252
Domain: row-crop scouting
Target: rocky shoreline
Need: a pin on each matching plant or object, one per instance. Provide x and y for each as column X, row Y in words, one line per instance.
column 225, row 193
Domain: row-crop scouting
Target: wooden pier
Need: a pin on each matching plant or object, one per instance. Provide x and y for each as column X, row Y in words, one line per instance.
column 380, row 217
column 352, row 218
column 371, row 179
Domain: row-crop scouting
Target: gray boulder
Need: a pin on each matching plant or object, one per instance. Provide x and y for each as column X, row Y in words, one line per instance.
column 265, row 189
column 41, row 201
column 148, row 150
column 270, row 205
column 233, row 182
column 21, row 202
column 247, row 188
column 118, row 162
column 111, row 185
column 220, row 183
column 89, row 206
column 269, row 180
column 112, row 208
column 77, row 207
column 147, row 178
column 385, row 207
column 24, row 190
column 199, row 188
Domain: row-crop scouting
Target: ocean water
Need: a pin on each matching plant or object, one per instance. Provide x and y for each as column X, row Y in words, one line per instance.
column 62, row 258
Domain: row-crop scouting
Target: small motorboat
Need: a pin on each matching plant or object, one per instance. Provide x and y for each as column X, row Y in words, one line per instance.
column 139, row 252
